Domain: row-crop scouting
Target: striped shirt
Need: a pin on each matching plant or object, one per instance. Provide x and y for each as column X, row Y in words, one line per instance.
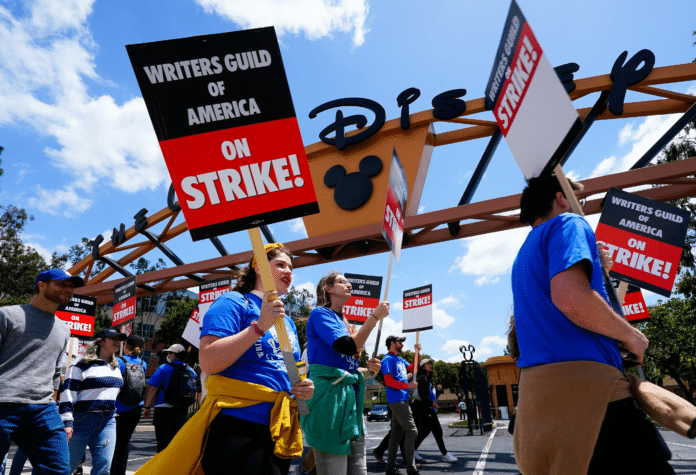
column 89, row 387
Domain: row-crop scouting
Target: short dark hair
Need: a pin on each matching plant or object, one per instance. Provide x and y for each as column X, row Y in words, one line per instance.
column 538, row 195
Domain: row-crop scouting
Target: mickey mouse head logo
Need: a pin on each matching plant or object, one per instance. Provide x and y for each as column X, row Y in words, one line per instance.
column 354, row 189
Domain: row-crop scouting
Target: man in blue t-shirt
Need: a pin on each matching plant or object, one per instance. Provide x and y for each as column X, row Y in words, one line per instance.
column 397, row 372
column 168, row 419
column 562, row 315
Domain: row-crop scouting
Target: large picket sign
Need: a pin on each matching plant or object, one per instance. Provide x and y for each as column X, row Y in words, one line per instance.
column 364, row 297
column 644, row 238
column 418, row 309
column 124, row 302
column 222, row 111
column 532, row 108
column 394, row 209
column 79, row 314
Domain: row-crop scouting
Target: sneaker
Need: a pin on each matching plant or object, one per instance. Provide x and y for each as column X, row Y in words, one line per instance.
column 379, row 456
column 449, row 458
column 417, row 456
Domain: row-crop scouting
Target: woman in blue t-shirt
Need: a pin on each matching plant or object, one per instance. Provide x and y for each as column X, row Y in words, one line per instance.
column 334, row 426
column 239, row 341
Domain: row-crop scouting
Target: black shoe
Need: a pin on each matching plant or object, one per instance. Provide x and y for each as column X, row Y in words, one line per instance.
column 395, row 472
column 78, row 470
column 413, row 472
column 378, row 456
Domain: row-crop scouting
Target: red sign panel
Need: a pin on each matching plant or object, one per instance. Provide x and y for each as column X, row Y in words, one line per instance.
column 364, row 299
column 79, row 314
column 224, row 118
column 644, row 238
column 124, row 302
column 634, row 307
column 397, row 194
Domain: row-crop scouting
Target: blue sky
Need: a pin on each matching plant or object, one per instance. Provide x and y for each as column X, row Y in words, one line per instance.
column 82, row 157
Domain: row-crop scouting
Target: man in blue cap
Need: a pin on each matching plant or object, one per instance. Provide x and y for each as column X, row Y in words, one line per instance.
column 32, row 341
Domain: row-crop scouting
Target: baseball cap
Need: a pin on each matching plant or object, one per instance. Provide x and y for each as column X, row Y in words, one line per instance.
column 427, row 360
column 176, row 348
column 391, row 338
column 135, row 340
column 111, row 333
column 58, row 275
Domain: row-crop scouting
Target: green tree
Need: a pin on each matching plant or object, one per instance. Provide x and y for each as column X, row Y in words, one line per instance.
column 298, row 303
column 672, row 349
column 175, row 321
column 19, row 263
column 447, row 374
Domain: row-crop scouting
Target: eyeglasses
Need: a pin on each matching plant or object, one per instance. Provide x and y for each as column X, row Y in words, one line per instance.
column 341, row 281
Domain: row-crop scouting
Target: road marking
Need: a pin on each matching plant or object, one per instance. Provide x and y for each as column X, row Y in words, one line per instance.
column 682, row 445
column 481, row 464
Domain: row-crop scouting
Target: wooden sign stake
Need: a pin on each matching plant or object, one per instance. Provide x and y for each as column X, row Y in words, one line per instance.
column 386, row 296
column 279, row 323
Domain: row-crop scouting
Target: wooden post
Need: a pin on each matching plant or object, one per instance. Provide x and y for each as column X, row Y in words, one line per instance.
column 386, row 297
column 279, row 323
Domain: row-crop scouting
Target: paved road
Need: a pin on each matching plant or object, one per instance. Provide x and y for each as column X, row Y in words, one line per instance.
column 488, row 454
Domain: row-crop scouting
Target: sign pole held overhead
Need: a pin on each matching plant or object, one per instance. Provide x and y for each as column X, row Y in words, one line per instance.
column 279, row 323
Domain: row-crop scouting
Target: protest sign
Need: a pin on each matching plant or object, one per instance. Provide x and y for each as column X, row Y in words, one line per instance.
column 208, row 292
column 364, row 297
column 222, row 111
column 644, row 238
column 418, row 309
column 124, row 302
column 397, row 194
column 79, row 314
column 530, row 104
column 192, row 332
column 634, row 308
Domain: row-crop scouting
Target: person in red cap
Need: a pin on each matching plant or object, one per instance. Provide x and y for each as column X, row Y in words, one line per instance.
column 32, row 341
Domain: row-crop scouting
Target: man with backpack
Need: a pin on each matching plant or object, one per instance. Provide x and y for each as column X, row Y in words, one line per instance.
column 172, row 389
column 129, row 402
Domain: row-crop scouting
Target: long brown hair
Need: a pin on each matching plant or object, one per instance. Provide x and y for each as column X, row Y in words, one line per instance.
column 323, row 297
column 246, row 277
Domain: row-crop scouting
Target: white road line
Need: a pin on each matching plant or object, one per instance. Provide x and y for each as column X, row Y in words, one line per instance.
column 481, row 464
column 682, row 445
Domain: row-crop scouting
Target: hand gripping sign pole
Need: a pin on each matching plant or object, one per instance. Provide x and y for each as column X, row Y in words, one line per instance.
column 616, row 300
column 279, row 324
column 393, row 222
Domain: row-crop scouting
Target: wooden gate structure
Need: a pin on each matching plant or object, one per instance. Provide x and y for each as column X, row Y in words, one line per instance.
column 341, row 237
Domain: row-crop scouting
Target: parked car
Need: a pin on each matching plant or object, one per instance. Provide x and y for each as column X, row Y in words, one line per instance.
column 378, row 413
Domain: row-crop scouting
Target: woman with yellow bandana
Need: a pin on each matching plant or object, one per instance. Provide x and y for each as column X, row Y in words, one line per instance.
column 239, row 344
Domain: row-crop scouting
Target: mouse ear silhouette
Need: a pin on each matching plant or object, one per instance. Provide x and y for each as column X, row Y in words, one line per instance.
column 371, row 165
column 333, row 175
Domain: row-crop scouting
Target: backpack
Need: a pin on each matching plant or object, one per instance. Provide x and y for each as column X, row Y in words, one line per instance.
column 134, row 384
column 181, row 390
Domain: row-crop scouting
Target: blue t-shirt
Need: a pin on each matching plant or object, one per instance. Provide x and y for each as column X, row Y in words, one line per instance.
column 120, row 407
column 396, row 366
column 323, row 328
column 263, row 362
column 544, row 333
column 160, row 380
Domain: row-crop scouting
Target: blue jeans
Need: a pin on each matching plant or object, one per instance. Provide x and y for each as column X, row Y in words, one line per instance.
column 98, row 430
column 39, row 432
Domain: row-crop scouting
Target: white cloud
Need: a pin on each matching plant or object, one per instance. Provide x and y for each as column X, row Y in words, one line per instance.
column 639, row 138
column 309, row 287
column 315, row 18
column 441, row 319
column 449, row 300
column 451, row 347
column 455, row 359
column 46, row 61
column 421, row 209
column 60, row 202
column 490, row 256
column 297, row 226
column 494, row 340
column 45, row 253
